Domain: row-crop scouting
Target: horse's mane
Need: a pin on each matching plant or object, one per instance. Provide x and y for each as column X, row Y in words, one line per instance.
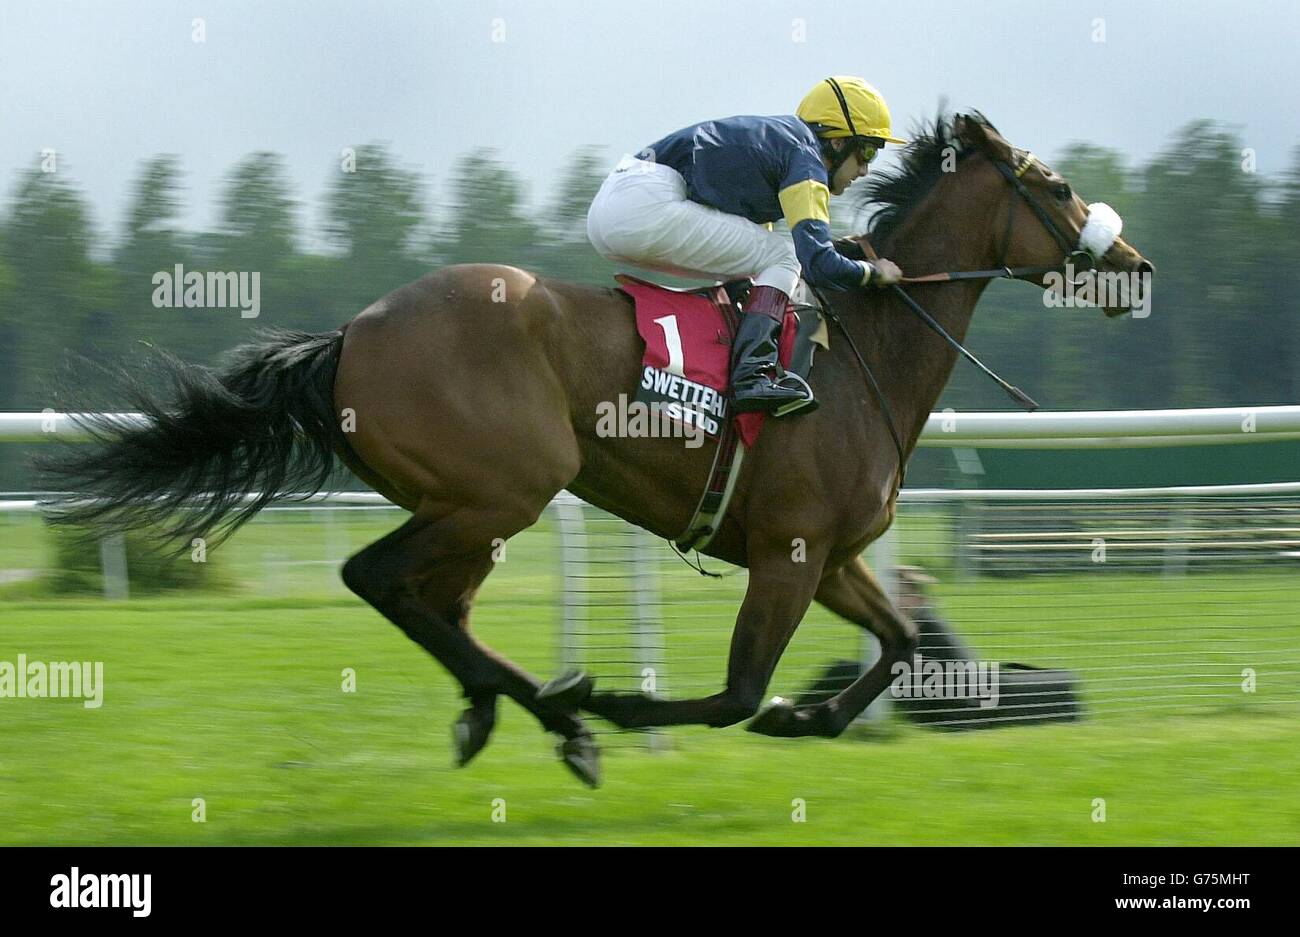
column 892, row 193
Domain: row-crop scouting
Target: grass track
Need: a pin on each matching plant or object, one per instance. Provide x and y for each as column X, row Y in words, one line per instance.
column 236, row 699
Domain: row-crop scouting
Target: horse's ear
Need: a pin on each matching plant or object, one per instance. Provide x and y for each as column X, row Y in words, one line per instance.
column 978, row 133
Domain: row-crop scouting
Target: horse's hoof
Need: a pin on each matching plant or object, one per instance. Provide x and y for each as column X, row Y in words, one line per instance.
column 785, row 720
column 569, row 690
column 777, row 719
column 471, row 732
column 582, row 757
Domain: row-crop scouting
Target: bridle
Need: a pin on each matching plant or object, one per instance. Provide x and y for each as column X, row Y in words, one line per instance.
column 1074, row 257
column 1018, row 189
column 1002, row 271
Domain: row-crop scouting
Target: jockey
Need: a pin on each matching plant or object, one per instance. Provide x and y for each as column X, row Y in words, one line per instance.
column 700, row 202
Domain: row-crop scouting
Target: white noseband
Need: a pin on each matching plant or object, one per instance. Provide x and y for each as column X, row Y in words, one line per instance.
column 1102, row 228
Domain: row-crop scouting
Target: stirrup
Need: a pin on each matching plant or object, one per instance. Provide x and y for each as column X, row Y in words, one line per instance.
column 795, row 405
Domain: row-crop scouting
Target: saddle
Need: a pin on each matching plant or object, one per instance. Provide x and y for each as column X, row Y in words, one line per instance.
column 686, row 370
column 809, row 332
column 735, row 289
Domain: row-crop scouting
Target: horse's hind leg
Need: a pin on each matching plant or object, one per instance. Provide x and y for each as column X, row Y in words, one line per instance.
column 476, row 723
column 423, row 577
column 853, row 593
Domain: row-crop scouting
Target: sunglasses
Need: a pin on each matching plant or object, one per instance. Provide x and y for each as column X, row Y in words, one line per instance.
column 866, row 153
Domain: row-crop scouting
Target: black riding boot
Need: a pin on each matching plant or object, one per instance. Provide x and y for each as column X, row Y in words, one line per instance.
column 757, row 379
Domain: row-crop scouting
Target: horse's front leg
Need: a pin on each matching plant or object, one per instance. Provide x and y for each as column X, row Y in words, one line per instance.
column 779, row 593
column 853, row 593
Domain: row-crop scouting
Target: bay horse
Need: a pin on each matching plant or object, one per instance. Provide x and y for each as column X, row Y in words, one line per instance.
column 470, row 398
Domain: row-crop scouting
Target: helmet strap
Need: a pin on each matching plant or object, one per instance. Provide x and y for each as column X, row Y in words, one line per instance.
column 839, row 158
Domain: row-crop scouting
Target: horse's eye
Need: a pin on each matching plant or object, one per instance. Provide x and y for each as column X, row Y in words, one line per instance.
column 1062, row 192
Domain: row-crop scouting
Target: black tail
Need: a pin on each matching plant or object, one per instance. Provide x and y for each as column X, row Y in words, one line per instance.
column 264, row 423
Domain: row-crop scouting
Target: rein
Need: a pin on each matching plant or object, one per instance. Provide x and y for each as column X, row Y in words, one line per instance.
column 871, row 381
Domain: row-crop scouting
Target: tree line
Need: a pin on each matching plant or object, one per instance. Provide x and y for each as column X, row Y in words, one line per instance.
column 1223, row 328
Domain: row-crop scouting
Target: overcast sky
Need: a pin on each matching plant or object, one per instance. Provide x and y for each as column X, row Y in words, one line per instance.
column 108, row 83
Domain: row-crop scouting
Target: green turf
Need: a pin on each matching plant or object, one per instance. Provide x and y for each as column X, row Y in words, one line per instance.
column 235, row 698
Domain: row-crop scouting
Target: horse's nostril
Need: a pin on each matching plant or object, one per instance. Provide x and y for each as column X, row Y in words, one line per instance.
column 1146, row 267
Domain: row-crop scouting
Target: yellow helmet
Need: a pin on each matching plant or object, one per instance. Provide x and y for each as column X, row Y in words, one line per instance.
column 846, row 106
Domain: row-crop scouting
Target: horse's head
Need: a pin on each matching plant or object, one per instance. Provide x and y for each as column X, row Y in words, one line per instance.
column 1076, row 246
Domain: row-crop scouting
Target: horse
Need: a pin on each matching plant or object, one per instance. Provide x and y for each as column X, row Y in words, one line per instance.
column 470, row 398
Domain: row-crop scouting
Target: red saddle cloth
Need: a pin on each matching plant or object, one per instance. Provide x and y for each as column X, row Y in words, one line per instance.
column 686, row 367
